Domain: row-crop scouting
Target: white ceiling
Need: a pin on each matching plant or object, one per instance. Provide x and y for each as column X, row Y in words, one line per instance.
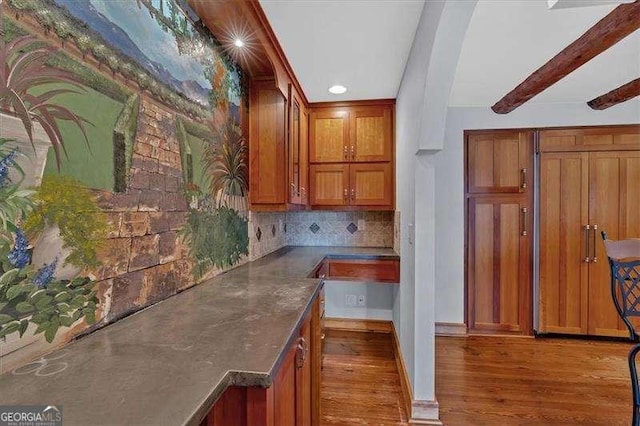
column 360, row 44
column 508, row 40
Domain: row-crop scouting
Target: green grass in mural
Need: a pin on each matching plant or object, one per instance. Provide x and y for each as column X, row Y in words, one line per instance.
column 197, row 146
column 93, row 167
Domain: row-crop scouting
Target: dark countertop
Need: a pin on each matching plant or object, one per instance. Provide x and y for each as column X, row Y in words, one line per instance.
column 167, row 364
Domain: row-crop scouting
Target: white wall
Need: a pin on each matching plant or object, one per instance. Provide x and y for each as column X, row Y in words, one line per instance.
column 449, row 206
column 379, row 299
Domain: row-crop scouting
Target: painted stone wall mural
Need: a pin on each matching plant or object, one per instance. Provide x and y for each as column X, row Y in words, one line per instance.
column 123, row 164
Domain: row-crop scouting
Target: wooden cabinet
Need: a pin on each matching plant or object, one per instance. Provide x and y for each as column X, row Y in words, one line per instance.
column 499, row 265
column 581, row 194
column 351, row 156
column 498, row 162
column 278, row 151
column 359, row 269
column 294, row 397
column 267, row 146
column 499, row 238
column 600, row 138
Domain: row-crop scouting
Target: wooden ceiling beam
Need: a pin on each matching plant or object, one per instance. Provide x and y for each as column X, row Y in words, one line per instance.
column 616, row 96
column 618, row 24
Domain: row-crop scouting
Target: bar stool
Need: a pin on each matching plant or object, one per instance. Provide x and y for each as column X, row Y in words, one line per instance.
column 624, row 261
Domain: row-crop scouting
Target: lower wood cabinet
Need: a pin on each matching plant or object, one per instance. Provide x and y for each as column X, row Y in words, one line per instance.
column 499, row 265
column 294, row 397
column 353, row 269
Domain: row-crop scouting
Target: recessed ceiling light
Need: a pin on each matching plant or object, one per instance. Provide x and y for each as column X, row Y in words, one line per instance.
column 238, row 43
column 337, row 89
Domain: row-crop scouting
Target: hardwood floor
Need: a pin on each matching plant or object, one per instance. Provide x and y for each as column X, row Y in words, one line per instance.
column 360, row 381
column 519, row 381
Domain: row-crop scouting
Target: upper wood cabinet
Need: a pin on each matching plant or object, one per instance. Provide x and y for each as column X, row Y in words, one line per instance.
column 329, row 136
column 298, row 162
column 371, row 134
column 351, row 156
column 601, row 138
column 267, row 146
column 499, row 162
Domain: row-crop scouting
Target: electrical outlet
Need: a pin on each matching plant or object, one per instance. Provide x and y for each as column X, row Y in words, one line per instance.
column 362, row 225
column 350, row 300
column 361, row 300
column 280, row 225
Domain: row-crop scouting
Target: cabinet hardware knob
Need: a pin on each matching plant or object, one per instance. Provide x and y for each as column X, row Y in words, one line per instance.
column 587, row 259
column 346, row 194
column 353, row 194
column 302, row 351
column 346, row 153
column 353, row 151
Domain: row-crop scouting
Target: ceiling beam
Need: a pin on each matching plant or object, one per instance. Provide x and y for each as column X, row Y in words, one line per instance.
column 618, row 24
column 616, row 96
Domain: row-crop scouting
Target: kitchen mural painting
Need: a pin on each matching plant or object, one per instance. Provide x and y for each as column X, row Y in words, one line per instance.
column 123, row 162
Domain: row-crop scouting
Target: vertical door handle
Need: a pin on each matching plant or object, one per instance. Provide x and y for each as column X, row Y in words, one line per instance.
column 594, row 259
column 523, row 184
column 353, row 152
column 353, row 194
column 587, row 259
column 346, row 153
column 346, row 195
column 524, row 211
column 293, row 190
column 302, row 351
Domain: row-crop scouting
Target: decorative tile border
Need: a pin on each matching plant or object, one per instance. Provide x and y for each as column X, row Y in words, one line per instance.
column 340, row 229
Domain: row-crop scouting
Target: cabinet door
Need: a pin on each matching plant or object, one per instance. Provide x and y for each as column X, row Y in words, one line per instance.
column 303, row 376
column 564, row 298
column 295, row 158
column 614, row 207
column 284, row 390
column 371, row 137
column 600, row 138
column 371, row 184
column 267, row 180
column 499, row 265
column 304, row 157
column 329, row 184
column 328, row 136
column 499, row 162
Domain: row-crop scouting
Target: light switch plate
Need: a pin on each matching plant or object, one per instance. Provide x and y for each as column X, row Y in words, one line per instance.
column 362, row 225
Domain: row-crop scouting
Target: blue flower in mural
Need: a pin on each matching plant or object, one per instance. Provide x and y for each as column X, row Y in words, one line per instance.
column 45, row 274
column 6, row 162
column 19, row 256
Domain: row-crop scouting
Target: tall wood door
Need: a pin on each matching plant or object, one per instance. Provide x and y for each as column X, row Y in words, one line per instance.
column 329, row 136
column 614, row 207
column 564, row 255
column 284, row 390
column 295, row 157
column 371, row 184
column 304, row 157
column 267, row 168
column 499, row 162
column 371, row 134
column 499, row 265
column 329, row 184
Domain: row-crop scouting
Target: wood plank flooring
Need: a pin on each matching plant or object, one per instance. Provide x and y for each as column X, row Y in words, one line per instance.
column 518, row 381
column 360, row 381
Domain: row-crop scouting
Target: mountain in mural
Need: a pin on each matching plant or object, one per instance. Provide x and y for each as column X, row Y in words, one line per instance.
column 118, row 38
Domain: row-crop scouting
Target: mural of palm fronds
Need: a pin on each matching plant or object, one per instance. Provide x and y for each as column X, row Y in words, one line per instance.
column 226, row 164
column 22, row 73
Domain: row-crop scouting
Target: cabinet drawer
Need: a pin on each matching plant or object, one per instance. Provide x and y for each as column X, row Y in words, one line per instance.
column 387, row 271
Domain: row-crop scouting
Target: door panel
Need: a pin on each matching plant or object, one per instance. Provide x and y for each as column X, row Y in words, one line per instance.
column 284, row 391
column 499, row 265
column 303, row 378
column 614, row 200
column 295, row 160
column 329, row 184
column 371, row 134
column 328, row 136
column 371, row 184
column 563, row 303
column 499, row 162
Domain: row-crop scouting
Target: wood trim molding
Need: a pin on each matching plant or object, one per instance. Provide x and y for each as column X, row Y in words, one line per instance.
column 618, row 24
column 405, row 383
column 451, row 329
column 425, row 412
column 621, row 94
column 364, row 102
column 351, row 324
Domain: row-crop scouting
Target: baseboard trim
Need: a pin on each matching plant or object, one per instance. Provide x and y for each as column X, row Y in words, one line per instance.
column 451, row 329
column 425, row 412
column 405, row 383
column 364, row 325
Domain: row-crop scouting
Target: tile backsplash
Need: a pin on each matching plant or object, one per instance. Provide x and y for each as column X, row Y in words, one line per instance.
column 355, row 229
column 266, row 233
